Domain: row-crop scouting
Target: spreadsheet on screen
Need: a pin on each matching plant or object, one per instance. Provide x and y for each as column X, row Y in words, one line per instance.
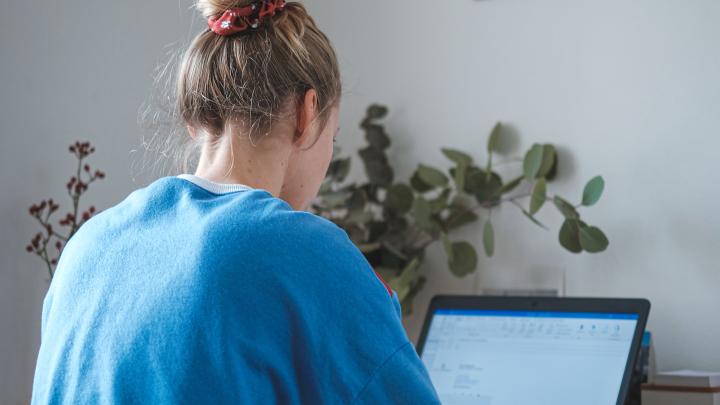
column 527, row 357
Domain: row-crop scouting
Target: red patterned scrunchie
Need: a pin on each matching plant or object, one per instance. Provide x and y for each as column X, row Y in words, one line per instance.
column 239, row 19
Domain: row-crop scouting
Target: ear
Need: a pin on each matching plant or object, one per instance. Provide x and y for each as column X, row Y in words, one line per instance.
column 192, row 131
column 306, row 131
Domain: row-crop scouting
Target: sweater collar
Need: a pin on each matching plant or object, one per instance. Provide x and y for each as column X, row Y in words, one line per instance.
column 211, row 186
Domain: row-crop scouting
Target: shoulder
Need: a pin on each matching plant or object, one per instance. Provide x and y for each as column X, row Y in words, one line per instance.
column 299, row 242
column 277, row 231
column 144, row 202
column 264, row 218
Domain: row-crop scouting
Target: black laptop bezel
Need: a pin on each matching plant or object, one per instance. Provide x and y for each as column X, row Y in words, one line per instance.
column 640, row 307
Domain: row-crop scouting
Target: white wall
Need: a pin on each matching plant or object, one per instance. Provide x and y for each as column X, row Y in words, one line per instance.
column 628, row 89
column 70, row 70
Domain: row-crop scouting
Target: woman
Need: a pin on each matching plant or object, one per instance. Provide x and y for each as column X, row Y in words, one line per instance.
column 216, row 287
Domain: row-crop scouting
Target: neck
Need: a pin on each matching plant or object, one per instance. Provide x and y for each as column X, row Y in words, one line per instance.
column 233, row 159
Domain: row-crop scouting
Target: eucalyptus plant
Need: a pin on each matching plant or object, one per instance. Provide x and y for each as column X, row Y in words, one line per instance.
column 392, row 222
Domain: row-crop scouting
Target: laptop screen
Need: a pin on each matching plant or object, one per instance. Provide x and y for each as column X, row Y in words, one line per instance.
column 503, row 357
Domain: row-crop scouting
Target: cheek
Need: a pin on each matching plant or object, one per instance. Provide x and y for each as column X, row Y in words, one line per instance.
column 329, row 153
column 313, row 168
column 327, row 158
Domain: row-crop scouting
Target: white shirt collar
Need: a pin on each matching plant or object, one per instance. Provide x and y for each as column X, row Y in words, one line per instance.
column 211, row 186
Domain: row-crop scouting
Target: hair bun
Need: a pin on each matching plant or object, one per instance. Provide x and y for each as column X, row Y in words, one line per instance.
column 209, row 8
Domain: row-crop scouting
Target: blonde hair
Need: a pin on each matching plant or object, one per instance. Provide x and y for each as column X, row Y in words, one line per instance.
column 255, row 77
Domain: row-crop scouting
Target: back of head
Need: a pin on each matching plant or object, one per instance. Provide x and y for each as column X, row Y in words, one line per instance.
column 255, row 77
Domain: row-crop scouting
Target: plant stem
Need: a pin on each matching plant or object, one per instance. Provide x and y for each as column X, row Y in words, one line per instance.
column 76, row 200
column 45, row 256
column 521, row 208
column 53, row 233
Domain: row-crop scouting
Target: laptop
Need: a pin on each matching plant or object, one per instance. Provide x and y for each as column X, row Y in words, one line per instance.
column 531, row 351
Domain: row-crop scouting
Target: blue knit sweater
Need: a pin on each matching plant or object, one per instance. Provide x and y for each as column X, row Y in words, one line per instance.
column 179, row 295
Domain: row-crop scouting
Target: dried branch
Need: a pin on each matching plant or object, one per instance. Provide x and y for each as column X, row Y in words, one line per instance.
column 78, row 185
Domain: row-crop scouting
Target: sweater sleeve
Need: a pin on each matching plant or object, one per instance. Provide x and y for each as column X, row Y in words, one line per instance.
column 401, row 379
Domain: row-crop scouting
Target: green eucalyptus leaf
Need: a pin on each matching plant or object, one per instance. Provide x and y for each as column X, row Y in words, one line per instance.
column 459, row 175
column 483, row 188
column 464, row 259
column 370, row 189
column 376, row 229
column 395, row 251
column 399, row 285
column 407, row 303
column 377, row 111
column 381, row 175
column 408, row 278
column 491, row 191
column 474, row 179
column 565, row 208
column 409, row 272
column 593, row 191
column 457, row 156
column 489, row 238
column 360, row 217
column 396, row 225
column 372, row 154
column 336, row 198
column 402, row 291
column 441, row 202
column 533, row 161
column 358, row 200
column 494, row 139
column 552, row 174
column 538, row 197
column 592, row 239
column 339, row 169
column 388, row 257
column 418, row 184
column 377, row 168
column 534, row 220
column 399, row 198
column 459, row 218
column 511, row 185
column 548, row 160
column 343, row 169
column 423, row 214
column 376, row 136
column 432, row 176
column 570, row 235
column 325, row 187
column 356, row 233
